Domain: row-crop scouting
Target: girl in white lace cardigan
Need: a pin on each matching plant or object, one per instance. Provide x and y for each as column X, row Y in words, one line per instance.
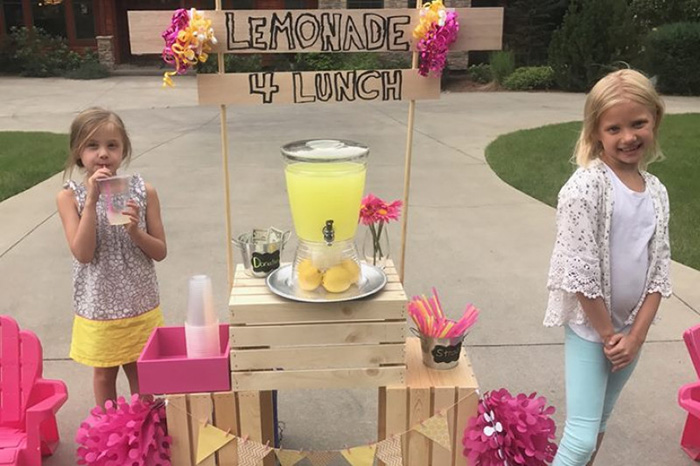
column 610, row 264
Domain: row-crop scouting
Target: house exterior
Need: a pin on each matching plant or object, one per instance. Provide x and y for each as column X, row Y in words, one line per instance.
column 102, row 25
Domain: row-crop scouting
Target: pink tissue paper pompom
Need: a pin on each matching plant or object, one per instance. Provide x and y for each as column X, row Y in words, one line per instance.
column 125, row 434
column 511, row 430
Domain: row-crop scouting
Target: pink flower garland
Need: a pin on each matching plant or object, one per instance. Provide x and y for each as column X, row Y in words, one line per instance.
column 124, row 434
column 511, row 430
column 434, row 46
column 179, row 22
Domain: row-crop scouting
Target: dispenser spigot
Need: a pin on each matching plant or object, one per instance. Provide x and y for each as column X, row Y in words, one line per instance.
column 329, row 233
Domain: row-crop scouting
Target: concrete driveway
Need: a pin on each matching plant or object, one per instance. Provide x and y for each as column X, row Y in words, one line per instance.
column 472, row 236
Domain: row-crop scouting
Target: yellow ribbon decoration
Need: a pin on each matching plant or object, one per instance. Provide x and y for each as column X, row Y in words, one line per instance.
column 431, row 13
column 193, row 45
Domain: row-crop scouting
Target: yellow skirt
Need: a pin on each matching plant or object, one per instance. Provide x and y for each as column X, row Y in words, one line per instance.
column 110, row 343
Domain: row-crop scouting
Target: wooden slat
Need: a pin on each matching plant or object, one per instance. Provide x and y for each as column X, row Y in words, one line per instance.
column 326, row 378
column 320, row 334
column 226, row 419
column 178, row 429
column 268, row 425
column 249, row 415
column 361, row 310
column 466, row 408
column 418, row 411
column 480, row 29
column 314, row 357
column 443, row 398
column 201, row 409
column 396, row 408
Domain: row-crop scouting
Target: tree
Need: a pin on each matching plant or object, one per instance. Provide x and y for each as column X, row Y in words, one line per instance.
column 528, row 28
column 596, row 37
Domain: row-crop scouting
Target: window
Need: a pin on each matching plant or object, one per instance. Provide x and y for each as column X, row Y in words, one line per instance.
column 84, row 22
column 13, row 13
column 365, row 4
column 50, row 15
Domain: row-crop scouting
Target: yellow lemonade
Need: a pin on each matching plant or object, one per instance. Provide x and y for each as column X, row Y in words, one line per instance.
column 325, row 191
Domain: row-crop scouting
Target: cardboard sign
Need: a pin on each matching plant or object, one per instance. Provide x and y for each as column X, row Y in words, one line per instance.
column 303, row 31
column 315, row 86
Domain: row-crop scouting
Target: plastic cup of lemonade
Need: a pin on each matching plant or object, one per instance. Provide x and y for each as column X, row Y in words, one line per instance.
column 115, row 190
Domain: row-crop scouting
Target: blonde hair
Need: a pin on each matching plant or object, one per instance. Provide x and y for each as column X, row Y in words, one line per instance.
column 615, row 88
column 84, row 127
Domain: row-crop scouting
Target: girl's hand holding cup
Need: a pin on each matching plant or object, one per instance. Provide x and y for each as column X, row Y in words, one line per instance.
column 93, row 190
column 132, row 212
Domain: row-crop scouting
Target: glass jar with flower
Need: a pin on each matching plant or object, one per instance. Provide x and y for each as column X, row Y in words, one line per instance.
column 376, row 213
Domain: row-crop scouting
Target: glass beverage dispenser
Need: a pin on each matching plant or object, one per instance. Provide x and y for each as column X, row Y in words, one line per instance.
column 325, row 181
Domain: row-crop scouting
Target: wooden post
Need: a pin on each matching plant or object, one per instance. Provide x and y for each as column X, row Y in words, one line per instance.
column 407, row 166
column 224, row 161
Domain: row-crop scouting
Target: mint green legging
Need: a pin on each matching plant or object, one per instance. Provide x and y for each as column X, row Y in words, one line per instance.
column 591, row 393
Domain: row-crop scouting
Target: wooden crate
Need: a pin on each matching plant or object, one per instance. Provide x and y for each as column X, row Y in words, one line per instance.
column 282, row 344
column 428, row 391
column 243, row 413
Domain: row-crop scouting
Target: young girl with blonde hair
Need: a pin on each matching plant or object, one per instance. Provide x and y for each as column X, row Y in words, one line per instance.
column 610, row 264
column 115, row 290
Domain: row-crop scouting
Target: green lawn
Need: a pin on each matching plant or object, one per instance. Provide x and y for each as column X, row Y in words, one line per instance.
column 537, row 163
column 28, row 158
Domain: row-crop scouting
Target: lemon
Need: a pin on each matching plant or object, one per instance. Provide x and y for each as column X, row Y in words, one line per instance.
column 308, row 276
column 337, row 279
column 353, row 269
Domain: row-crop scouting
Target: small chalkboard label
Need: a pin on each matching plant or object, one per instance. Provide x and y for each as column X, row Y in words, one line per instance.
column 446, row 353
column 265, row 262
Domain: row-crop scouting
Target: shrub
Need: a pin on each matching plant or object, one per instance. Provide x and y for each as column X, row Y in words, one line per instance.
column 673, row 54
column 394, row 60
column 530, row 77
column 39, row 54
column 89, row 69
column 595, row 35
column 336, row 61
column 480, row 73
column 502, row 65
column 233, row 63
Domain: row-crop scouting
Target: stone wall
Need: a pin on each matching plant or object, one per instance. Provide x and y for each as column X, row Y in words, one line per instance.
column 105, row 50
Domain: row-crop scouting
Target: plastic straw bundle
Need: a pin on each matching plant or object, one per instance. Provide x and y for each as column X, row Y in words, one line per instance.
column 430, row 319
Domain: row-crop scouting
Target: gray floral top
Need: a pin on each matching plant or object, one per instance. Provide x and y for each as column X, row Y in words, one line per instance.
column 121, row 280
column 580, row 261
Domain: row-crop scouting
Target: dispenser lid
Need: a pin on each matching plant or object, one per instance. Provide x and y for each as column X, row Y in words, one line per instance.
column 325, row 150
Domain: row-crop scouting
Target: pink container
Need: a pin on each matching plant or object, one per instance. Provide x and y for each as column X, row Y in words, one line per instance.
column 164, row 367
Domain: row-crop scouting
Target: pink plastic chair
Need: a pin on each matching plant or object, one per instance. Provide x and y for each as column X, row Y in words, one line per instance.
column 28, row 403
column 689, row 397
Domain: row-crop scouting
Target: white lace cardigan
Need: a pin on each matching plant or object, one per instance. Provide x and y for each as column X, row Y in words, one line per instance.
column 581, row 258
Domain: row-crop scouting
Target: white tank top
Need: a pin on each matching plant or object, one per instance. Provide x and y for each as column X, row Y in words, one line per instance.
column 632, row 226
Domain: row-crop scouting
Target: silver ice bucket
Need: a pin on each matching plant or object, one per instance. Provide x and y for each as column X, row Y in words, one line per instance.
column 261, row 250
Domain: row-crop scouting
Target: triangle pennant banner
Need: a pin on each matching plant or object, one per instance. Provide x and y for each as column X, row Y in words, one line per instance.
column 321, row 458
column 436, row 429
column 289, row 457
column 389, row 451
column 210, row 440
column 360, row 456
column 250, row 452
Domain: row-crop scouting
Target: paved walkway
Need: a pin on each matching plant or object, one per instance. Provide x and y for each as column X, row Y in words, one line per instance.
column 472, row 236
